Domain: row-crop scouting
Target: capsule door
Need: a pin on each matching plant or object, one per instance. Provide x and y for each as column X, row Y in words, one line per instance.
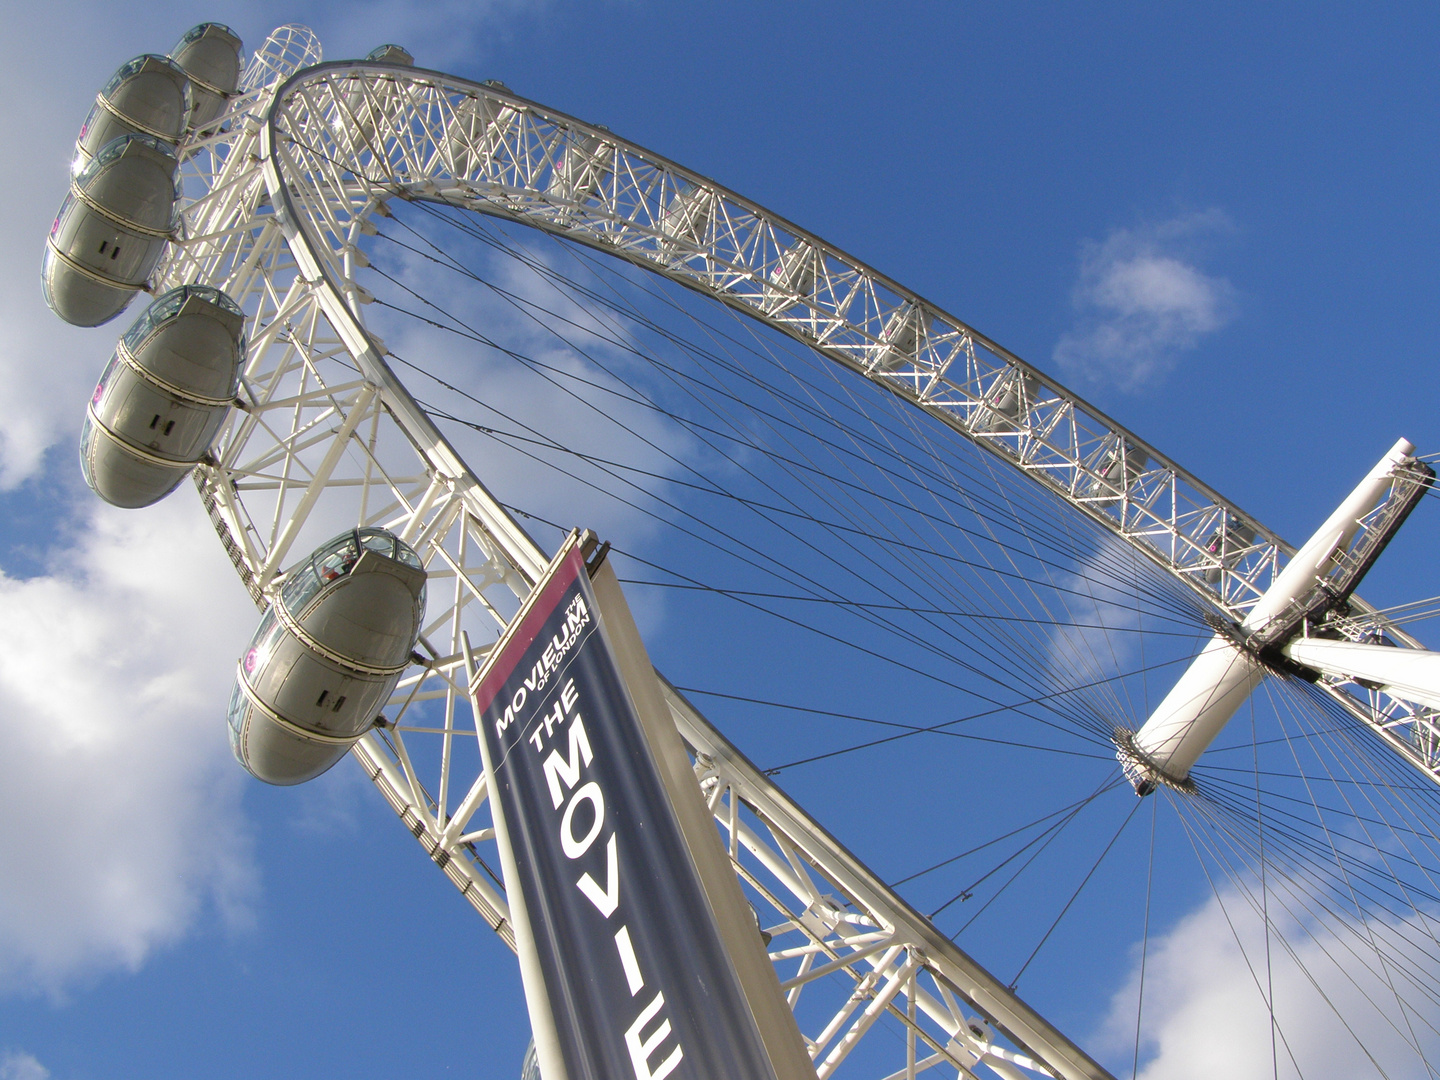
column 111, row 230
column 210, row 55
column 327, row 656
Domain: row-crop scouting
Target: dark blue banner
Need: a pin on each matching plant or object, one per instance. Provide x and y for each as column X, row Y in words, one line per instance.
column 638, row 981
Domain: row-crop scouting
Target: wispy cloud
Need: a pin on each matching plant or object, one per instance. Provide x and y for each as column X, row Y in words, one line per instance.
column 1340, row 1011
column 18, row 1065
column 564, row 411
column 1141, row 301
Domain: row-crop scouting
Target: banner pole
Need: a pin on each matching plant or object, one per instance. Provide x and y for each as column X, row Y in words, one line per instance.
column 639, row 953
column 532, row 976
column 733, row 915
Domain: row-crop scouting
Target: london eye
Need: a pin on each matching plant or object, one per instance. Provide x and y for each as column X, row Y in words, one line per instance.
column 401, row 332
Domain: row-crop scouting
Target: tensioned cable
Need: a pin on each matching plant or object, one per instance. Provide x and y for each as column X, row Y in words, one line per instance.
column 1145, row 937
column 1074, row 896
column 870, row 607
column 1367, row 786
column 838, row 601
column 1264, row 897
column 1239, row 882
column 1234, row 932
column 1384, row 956
column 1106, row 725
column 999, row 707
column 765, row 349
column 439, row 413
column 1049, row 836
column 907, row 414
column 443, row 415
column 989, row 843
column 595, row 259
column 913, row 729
column 539, row 266
column 1366, row 920
column 769, row 509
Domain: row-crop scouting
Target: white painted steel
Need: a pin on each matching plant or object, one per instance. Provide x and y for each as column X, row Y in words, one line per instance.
column 1193, row 713
column 1404, row 673
column 1219, row 680
column 1311, row 563
column 278, row 199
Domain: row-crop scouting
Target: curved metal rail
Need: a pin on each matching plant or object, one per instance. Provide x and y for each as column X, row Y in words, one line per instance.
column 278, row 201
column 426, row 136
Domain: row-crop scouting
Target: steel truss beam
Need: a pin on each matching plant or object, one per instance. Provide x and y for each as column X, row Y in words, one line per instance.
column 425, row 136
column 276, row 204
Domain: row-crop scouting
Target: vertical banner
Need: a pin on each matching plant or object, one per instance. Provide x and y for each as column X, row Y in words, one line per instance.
column 633, row 977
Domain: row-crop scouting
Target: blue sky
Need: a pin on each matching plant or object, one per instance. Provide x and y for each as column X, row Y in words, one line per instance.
column 1217, row 222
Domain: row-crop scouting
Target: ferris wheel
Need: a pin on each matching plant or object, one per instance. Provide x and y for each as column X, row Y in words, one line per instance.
column 983, row 532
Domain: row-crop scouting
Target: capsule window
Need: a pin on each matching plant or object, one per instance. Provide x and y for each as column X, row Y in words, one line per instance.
column 155, row 421
column 103, row 245
column 339, row 701
column 380, row 543
column 337, row 559
column 321, row 699
column 239, row 706
column 169, row 427
column 299, row 588
column 337, row 564
column 104, row 382
column 114, row 251
column 85, row 430
column 263, row 644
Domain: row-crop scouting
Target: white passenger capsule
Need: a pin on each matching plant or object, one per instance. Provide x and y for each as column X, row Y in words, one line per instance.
column 210, row 55
column 163, row 396
column 391, row 54
column 327, row 656
column 111, row 230
column 150, row 95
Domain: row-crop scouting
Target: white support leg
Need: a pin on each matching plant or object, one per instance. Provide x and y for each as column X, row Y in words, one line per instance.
column 1409, row 674
column 1220, row 679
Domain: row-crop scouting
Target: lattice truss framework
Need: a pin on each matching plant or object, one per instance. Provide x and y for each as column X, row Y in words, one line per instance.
column 362, row 134
column 324, row 436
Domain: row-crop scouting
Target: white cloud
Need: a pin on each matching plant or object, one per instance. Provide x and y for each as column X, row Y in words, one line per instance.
column 1099, row 606
column 1140, row 301
column 121, row 802
column 1093, row 602
column 120, row 799
column 1336, row 1011
column 46, row 368
column 18, row 1065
